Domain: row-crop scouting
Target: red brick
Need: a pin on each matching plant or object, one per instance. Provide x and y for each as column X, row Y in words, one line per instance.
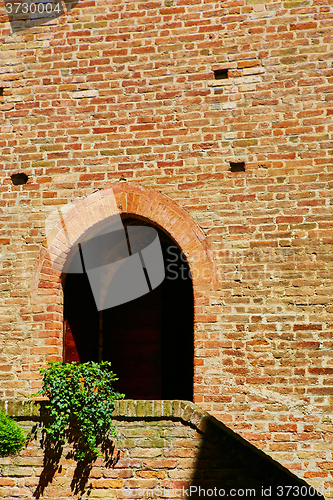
column 127, row 100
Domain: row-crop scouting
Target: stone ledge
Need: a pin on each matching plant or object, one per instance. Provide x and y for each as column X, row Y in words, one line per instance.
column 184, row 411
column 131, row 409
column 21, row 409
column 173, row 409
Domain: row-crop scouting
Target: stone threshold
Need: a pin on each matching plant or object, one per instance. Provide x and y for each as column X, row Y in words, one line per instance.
column 185, row 411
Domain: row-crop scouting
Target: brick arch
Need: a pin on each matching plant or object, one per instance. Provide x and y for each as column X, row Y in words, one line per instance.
column 123, row 198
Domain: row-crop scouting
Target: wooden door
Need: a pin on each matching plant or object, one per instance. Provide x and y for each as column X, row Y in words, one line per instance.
column 132, row 342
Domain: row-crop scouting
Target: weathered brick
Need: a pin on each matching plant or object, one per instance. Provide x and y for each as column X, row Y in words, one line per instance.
column 100, row 98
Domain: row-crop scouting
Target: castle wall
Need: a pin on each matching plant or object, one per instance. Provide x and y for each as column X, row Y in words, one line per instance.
column 114, row 94
column 165, row 449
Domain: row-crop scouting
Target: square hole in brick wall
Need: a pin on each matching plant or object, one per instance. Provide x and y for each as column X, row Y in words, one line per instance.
column 20, row 178
column 237, row 166
column 221, row 74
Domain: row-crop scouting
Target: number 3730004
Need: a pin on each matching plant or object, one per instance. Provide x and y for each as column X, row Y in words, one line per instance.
column 32, row 7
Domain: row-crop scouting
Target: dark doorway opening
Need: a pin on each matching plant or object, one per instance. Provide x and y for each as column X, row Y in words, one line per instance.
column 149, row 340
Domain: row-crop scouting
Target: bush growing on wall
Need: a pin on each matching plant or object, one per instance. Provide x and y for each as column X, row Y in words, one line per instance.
column 12, row 438
column 81, row 400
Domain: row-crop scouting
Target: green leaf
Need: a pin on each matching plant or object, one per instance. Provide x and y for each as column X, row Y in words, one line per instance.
column 83, row 396
column 12, row 438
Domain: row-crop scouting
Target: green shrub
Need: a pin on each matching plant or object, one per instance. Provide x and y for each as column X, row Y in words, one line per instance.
column 12, row 438
column 81, row 401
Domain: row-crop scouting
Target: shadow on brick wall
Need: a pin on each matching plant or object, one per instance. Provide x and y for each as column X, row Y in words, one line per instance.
column 174, row 445
column 54, row 452
column 227, row 466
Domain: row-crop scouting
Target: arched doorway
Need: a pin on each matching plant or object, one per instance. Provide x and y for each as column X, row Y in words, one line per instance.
column 149, row 340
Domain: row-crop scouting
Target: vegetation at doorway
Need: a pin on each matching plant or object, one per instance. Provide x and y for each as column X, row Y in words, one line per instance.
column 80, row 402
column 78, row 411
column 12, row 438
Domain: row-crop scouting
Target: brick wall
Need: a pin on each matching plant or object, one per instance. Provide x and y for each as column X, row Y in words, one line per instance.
column 167, row 448
column 125, row 91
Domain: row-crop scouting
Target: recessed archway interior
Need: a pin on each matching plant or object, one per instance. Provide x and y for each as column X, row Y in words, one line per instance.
column 149, row 340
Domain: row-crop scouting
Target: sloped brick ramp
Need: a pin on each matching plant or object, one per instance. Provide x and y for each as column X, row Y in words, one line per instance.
column 169, row 449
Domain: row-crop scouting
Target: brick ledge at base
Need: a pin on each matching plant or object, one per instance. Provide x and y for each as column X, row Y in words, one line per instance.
column 207, row 446
column 184, row 411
